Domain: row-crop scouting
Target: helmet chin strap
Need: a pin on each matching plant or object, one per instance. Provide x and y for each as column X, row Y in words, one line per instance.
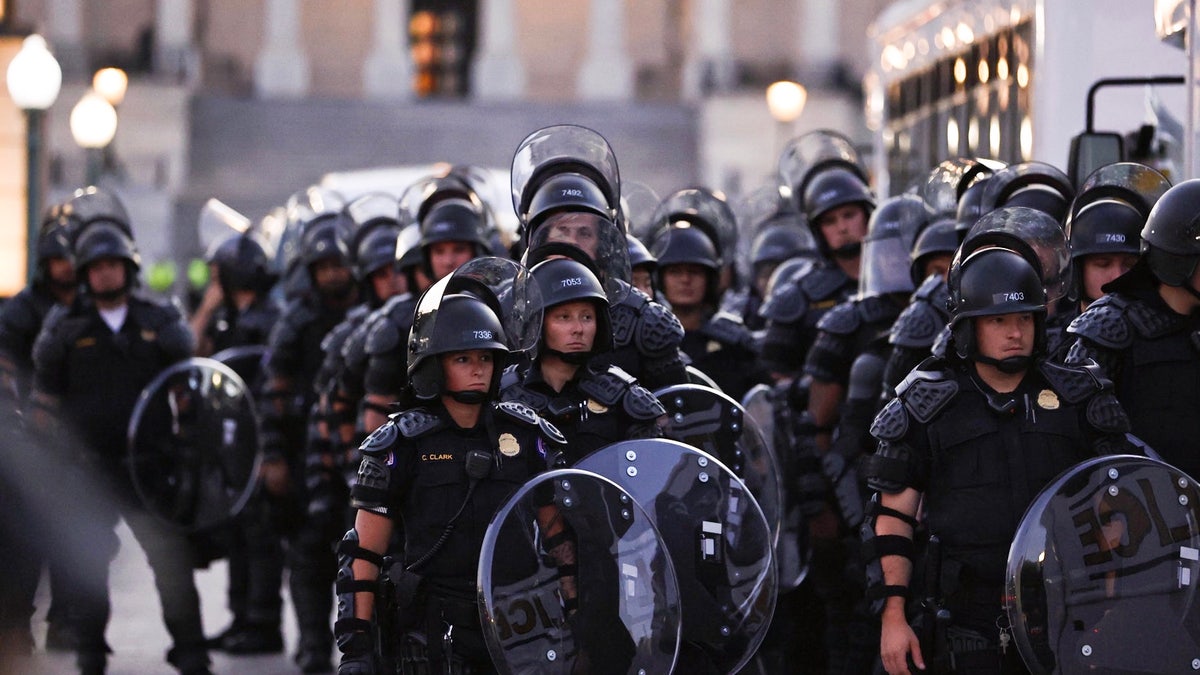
column 470, row 397
column 570, row 358
column 847, row 251
column 1010, row 365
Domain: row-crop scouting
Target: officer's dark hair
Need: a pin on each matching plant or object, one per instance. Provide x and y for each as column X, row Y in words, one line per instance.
column 994, row 281
column 563, row 280
column 1171, row 236
column 242, row 265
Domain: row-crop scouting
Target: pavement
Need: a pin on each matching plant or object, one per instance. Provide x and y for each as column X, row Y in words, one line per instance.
column 136, row 632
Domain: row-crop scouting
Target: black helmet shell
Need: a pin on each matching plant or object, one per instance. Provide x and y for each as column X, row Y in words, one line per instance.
column 1171, row 236
column 1035, row 185
column 938, row 238
column 104, row 239
column 562, row 280
column 242, row 264
column 995, row 281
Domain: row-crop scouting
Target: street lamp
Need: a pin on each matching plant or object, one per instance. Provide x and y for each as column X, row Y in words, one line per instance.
column 785, row 101
column 93, row 124
column 111, row 83
column 34, row 79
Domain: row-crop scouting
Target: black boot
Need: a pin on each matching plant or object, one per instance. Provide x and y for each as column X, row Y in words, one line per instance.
column 253, row 638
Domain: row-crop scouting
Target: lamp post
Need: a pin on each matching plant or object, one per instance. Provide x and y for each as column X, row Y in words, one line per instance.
column 785, row 101
column 93, row 125
column 34, row 79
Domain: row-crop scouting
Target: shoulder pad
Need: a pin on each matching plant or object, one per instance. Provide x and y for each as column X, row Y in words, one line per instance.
column 1106, row 415
column 551, row 432
column 295, row 316
column 941, row 343
column 383, row 338
column 918, row 325
column 933, row 290
column 876, row 309
column 843, row 319
column 735, row 301
column 519, row 393
column 21, row 315
column 1151, row 322
column 606, row 387
column 658, row 331
column 641, row 404
column 891, row 423
column 416, row 422
column 380, row 440
column 519, row 412
column 925, row 392
column 729, row 329
column 624, row 316
column 786, row 302
column 1104, row 323
column 823, row 283
column 336, row 337
column 1073, row 383
column 354, row 348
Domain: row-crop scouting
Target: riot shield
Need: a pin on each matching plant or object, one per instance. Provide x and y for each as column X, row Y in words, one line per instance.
column 193, row 444
column 575, row 578
column 707, row 419
column 791, row 549
column 246, row 361
column 717, row 538
column 1102, row 574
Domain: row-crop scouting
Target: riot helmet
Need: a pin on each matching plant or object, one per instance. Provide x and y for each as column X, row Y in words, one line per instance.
column 1033, row 234
column 995, row 281
column 1171, row 236
column 242, row 265
column 94, row 203
column 807, row 155
column 944, row 187
column 970, row 207
column 488, row 303
column 683, row 243
column 1109, row 212
column 702, row 208
column 639, row 255
column 828, row 190
column 1036, row 185
column 54, row 242
column 106, row 239
column 376, row 226
column 938, row 238
column 892, row 230
column 563, row 280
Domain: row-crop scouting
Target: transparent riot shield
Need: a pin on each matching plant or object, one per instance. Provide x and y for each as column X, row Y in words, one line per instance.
column 711, row 421
column 193, row 444
column 575, row 578
column 1103, row 572
column 246, row 361
column 791, row 550
column 718, row 540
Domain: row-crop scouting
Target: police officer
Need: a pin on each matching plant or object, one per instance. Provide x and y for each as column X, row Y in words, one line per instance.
column 21, row 319
column 642, row 266
column 591, row 407
column 691, row 258
column 976, row 439
column 1104, row 231
column 1144, row 332
column 566, row 192
column 293, row 359
column 92, row 360
column 237, row 311
column 444, row 467
column 453, row 223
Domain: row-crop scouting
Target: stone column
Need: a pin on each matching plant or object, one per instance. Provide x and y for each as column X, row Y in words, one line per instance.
column 607, row 71
column 175, row 54
column 818, row 36
column 709, row 65
column 387, row 73
column 498, row 73
column 282, row 68
column 64, row 32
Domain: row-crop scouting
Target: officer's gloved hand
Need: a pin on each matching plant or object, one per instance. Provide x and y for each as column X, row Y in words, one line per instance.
column 358, row 655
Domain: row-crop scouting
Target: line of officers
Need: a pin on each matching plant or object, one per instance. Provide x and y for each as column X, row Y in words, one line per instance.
column 930, row 361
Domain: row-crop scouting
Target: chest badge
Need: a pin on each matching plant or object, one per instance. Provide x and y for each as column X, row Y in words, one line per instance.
column 596, row 407
column 509, row 447
column 149, row 335
column 1047, row 400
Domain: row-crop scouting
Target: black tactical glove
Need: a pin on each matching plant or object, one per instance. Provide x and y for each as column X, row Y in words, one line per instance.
column 358, row 655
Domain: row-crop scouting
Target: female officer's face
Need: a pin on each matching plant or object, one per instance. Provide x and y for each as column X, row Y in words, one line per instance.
column 1004, row 336
column 468, row 371
column 571, row 326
